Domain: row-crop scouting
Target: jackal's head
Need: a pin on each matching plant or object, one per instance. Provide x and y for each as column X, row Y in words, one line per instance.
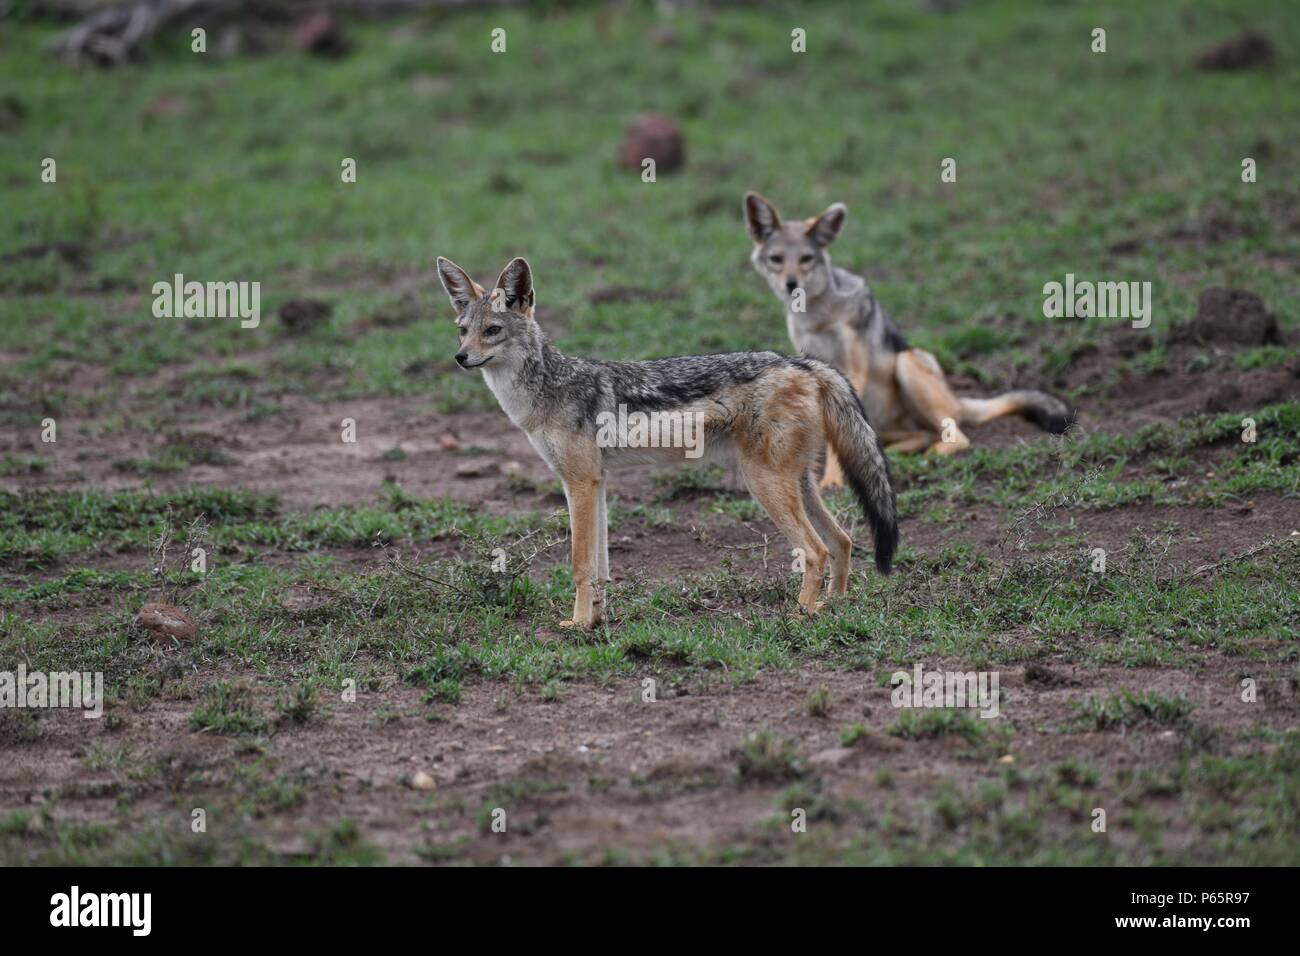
column 792, row 256
column 496, row 326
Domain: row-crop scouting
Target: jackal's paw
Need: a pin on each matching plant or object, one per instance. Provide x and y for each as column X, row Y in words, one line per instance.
column 813, row 609
column 830, row 483
column 571, row 625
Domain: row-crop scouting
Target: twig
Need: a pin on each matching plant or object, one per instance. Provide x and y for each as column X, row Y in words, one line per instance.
column 1250, row 552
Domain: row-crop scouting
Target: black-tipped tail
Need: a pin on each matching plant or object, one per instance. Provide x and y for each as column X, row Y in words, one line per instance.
column 884, row 523
column 1047, row 412
column 863, row 462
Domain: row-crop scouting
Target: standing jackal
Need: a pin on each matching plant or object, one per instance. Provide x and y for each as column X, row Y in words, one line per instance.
column 832, row 315
column 773, row 412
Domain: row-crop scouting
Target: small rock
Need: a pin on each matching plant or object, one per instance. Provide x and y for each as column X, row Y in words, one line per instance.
column 302, row 315
column 320, row 33
column 422, row 781
column 656, row 137
column 449, row 442
column 1243, row 51
column 167, row 620
column 479, row 469
column 832, row 757
column 1007, row 758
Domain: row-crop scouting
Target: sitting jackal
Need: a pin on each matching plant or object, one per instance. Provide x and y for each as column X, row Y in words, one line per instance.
column 832, row 315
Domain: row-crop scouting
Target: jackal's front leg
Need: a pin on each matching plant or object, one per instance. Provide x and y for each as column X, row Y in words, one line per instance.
column 584, row 534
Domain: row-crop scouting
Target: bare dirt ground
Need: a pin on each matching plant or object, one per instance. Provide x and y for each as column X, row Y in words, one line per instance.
column 600, row 769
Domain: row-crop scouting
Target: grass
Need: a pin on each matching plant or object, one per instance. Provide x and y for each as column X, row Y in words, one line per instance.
column 227, row 709
column 1125, row 709
column 1013, row 222
column 919, row 725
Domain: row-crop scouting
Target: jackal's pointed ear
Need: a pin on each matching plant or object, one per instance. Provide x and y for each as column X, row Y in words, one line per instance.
column 761, row 217
column 824, row 229
column 460, row 288
column 516, row 287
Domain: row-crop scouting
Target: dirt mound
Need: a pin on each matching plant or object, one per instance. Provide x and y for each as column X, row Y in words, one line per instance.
column 652, row 137
column 1043, row 676
column 321, row 33
column 1228, row 317
column 302, row 315
column 1120, row 387
column 1243, row 51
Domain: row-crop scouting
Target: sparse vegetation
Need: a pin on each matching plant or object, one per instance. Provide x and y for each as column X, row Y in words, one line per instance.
column 379, row 665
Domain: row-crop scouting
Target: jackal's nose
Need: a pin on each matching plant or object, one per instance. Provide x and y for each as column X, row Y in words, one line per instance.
column 791, row 284
column 461, row 357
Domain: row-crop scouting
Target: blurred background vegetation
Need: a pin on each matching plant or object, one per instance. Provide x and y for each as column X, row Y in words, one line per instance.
column 226, row 166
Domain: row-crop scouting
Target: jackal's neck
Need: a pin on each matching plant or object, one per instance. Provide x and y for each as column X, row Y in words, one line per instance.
column 526, row 386
column 842, row 291
column 543, row 366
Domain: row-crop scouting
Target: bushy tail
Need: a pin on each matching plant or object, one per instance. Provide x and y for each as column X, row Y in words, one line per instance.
column 863, row 460
column 1046, row 411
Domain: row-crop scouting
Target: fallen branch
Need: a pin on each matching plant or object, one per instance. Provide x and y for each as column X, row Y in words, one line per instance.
column 1250, row 552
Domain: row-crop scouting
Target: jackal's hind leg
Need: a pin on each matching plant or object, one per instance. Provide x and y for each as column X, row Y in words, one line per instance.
column 840, row 544
column 602, row 553
column 906, row 441
column 833, row 474
column 925, row 394
column 779, row 493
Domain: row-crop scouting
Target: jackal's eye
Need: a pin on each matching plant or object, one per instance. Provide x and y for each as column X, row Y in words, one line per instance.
column 775, row 260
column 461, row 332
column 805, row 259
column 492, row 330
